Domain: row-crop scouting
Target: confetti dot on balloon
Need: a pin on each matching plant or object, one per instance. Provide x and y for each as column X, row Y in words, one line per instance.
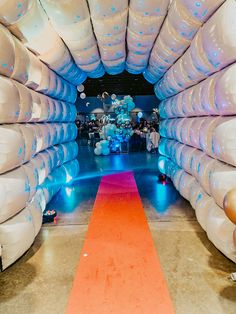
column 204, row 12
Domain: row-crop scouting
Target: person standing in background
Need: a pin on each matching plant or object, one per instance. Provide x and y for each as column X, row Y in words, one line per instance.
column 154, row 139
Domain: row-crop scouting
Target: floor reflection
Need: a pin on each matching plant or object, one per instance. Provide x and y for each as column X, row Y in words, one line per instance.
column 160, row 200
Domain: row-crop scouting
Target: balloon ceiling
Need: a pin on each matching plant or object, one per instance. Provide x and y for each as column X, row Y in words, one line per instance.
column 76, row 38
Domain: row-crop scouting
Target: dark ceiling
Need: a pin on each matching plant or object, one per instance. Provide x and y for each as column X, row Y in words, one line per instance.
column 121, row 84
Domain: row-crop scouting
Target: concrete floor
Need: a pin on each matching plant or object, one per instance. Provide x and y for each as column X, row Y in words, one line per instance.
column 196, row 272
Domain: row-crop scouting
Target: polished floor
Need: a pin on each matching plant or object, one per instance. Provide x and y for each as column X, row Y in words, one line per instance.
column 195, row 271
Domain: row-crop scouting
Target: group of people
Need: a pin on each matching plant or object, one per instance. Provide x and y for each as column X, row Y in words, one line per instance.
column 145, row 134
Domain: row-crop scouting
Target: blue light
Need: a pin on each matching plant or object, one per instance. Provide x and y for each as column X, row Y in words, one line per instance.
column 68, row 191
column 205, row 12
column 199, row 197
column 68, row 177
column 161, row 165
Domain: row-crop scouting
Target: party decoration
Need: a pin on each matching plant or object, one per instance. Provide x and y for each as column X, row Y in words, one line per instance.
column 198, row 112
column 82, row 95
column 140, row 114
column 186, row 48
column 112, row 134
column 71, row 21
column 80, row 88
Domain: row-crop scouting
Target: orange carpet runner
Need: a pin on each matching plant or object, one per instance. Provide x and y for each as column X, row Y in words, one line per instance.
column 119, row 271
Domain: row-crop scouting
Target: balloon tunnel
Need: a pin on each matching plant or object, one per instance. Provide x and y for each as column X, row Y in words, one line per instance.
column 185, row 48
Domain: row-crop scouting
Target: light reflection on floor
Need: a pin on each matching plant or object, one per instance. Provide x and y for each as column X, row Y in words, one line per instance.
column 74, row 203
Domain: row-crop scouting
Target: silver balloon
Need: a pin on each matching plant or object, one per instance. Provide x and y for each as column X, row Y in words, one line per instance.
column 113, row 96
column 82, row 95
column 80, row 88
column 105, row 95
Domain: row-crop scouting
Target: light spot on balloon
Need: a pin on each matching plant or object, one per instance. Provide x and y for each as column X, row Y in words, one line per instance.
column 119, row 54
column 20, row 151
column 198, row 4
column 29, row 218
column 204, row 12
column 199, row 197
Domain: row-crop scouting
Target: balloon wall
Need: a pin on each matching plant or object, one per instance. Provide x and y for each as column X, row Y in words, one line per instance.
column 187, row 48
column 71, row 20
column 198, row 124
column 37, row 135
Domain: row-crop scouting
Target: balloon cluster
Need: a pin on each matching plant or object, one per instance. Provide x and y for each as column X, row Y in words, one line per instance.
column 102, row 148
column 122, row 109
column 109, row 131
column 80, row 89
column 114, row 134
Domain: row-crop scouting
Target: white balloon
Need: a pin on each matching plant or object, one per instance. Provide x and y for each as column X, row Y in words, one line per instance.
column 140, row 114
column 113, row 96
column 80, row 88
column 82, row 95
column 97, row 151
